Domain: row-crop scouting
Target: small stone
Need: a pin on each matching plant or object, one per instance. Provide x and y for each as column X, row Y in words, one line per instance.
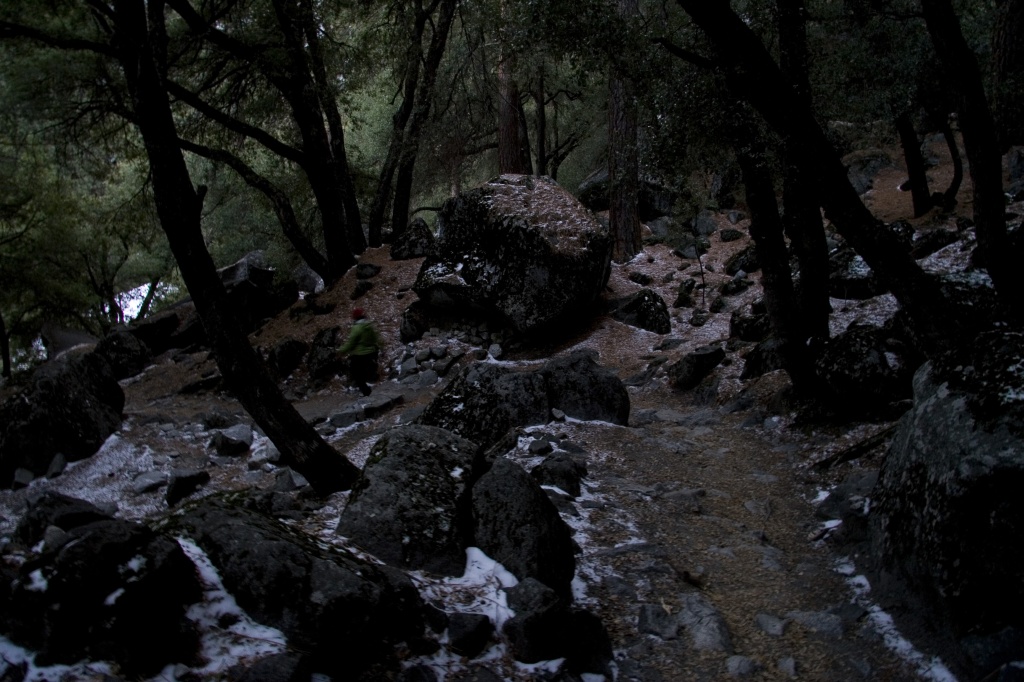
column 428, row 378
column 148, row 482
column 57, row 465
column 469, row 633
column 770, row 624
column 422, row 355
column 540, row 446
column 787, row 666
column 825, row 624
column 656, row 620
column 557, row 414
column 54, row 537
column 439, row 352
column 495, row 351
column 288, row 480
column 183, row 483
column 22, row 478
column 741, row 666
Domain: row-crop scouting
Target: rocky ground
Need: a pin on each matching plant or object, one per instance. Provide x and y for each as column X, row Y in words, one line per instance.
column 700, row 544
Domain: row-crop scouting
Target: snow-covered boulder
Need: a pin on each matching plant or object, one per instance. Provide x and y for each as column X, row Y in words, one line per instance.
column 519, row 246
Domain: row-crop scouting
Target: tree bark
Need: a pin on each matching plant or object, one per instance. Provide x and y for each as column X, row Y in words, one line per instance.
column 802, row 218
column 510, row 140
column 766, row 229
column 949, row 196
column 753, row 75
column 1008, row 62
column 981, row 144
column 919, row 192
column 5, row 349
column 623, row 158
column 420, row 116
column 541, row 122
column 141, row 37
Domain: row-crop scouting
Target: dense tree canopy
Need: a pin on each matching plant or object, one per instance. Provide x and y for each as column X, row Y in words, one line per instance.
column 317, row 127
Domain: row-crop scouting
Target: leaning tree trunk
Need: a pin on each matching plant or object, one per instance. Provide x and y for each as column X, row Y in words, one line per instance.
column 919, row 192
column 541, row 122
column 510, row 141
column 140, row 35
column 754, row 76
column 984, row 157
column 802, row 219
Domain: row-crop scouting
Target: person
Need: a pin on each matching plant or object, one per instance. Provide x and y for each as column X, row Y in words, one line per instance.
column 362, row 347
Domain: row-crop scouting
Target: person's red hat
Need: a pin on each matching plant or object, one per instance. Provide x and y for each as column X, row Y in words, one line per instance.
column 358, row 313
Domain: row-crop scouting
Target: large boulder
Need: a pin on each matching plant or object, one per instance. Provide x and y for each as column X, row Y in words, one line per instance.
column 410, row 507
column 114, row 591
column 947, row 512
column 644, row 309
column 486, row 400
column 73, row 405
column 127, row 355
column 516, row 524
column 520, row 247
column 850, row 277
column 653, row 201
column 860, row 370
column 415, row 242
column 347, row 613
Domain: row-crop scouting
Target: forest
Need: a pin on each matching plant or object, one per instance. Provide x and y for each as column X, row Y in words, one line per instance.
column 144, row 143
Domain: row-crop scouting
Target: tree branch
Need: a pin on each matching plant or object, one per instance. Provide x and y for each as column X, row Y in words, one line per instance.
column 684, row 54
column 9, row 30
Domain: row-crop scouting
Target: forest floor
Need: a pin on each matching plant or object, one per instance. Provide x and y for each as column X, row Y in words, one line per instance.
column 714, row 494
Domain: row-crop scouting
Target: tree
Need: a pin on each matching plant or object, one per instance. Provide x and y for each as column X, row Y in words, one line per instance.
column 623, row 159
column 133, row 37
column 754, row 76
column 1008, row 71
column 981, row 144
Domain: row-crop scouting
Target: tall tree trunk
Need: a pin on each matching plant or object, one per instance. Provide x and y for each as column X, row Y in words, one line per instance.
column 385, row 182
column 140, row 37
column 5, row 349
column 802, row 219
column 766, row 229
column 623, row 159
column 981, row 144
column 510, row 141
column 919, row 192
column 949, row 196
column 541, row 122
column 420, row 116
column 753, row 75
column 1008, row 63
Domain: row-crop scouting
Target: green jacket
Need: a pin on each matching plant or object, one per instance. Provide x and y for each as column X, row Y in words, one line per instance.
column 362, row 340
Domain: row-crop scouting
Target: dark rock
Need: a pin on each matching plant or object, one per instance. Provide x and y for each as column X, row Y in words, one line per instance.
column 992, row 651
column 946, row 511
column 856, row 367
column 288, row 667
column 685, row 297
column 749, row 326
column 367, row 270
column 560, row 471
column 414, row 242
column 851, row 278
column 486, row 400
column 95, row 599
column 691, row 246
column 252, row 293
column 653, row 200
column 640, row 278
column 588, row 646
column 415, row 322
column 767, row 356
column 645, row 309
column 307, row 280
column 927, row 243
column 285, row 357
column 347, row 613
column 469, row 633
column 862, row 167
column 537, row 631
column 410, row 506
column 57, row 466
column 361, row 288
column 184, row 482
column 73, row 404
column 704, row 224
column 655, row 620
column 516, row 524
column 699, row 317
column 232, row 441
column 745, row 260
column 737, row 285
column 520, row 247
column 127, row 355
column 705, row 625
column 323, row 361
column 417, row 673
column 693, row 367
column 730, row 234
column 54, row 509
